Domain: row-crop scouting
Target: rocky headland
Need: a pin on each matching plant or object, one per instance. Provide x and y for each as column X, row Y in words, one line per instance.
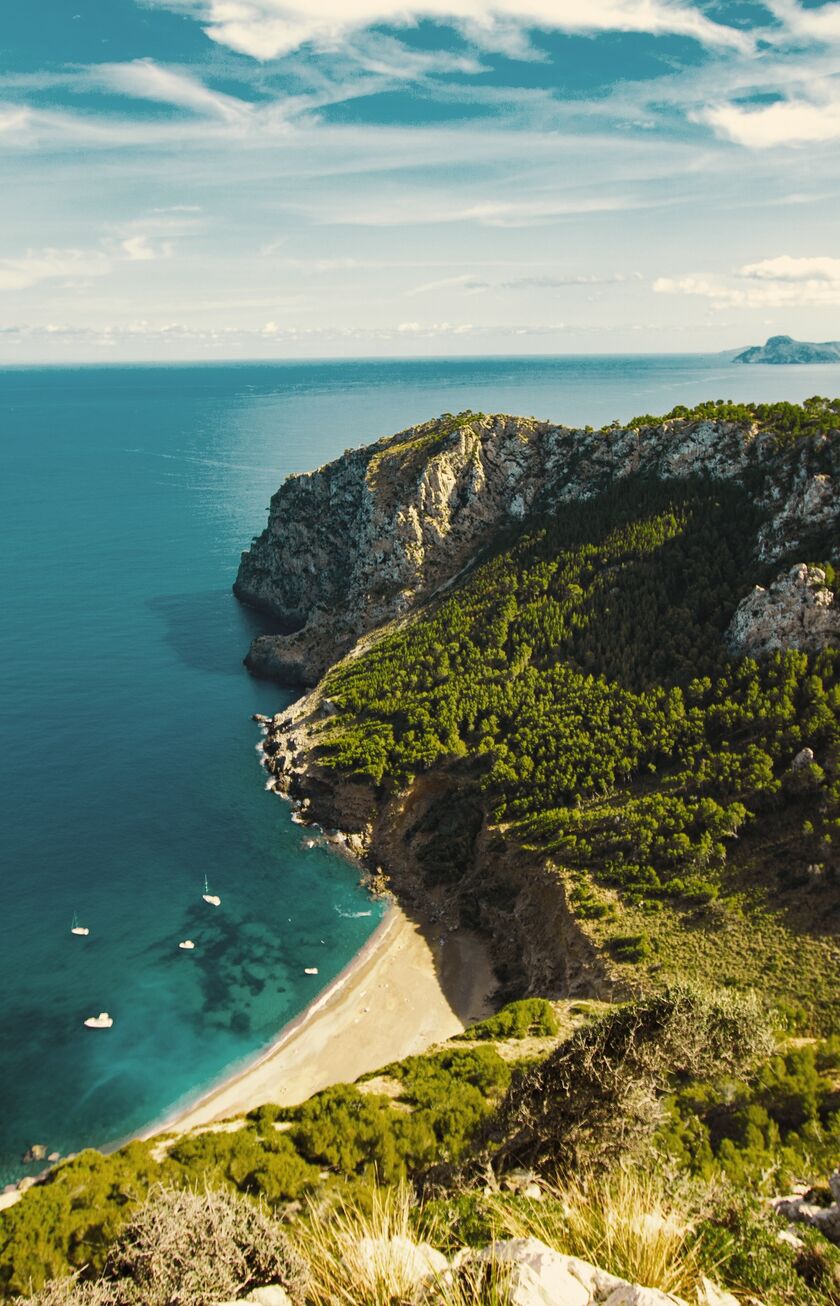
column 360, row 546
column 782, row 350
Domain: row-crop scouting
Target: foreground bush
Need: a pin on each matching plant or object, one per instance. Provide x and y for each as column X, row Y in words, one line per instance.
column 599, row 1095
column 186, row 1248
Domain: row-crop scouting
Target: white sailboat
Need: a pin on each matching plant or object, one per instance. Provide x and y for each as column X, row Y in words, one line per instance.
column 76, row 928
column 310, row 970
column 102, row 1021
column 213, row 898
column 187, row 943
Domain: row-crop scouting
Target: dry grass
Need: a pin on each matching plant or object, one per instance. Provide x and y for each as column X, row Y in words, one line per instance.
column 625, row 1224
column 354, row 1254
column 485, row 1283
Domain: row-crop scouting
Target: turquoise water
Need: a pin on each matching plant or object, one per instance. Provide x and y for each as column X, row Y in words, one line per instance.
column 128, row 767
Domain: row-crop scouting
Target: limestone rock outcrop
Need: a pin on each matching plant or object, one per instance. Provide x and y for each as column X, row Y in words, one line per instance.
column 540, row 1276
column 363, row 540
column 797, row 611
column 809, row 504
column 800, row 1208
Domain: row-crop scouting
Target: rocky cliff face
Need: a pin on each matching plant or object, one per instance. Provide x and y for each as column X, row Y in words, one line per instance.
column 365, row 539
column 797, row 611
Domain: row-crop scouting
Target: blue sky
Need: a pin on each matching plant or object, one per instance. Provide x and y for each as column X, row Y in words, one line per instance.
column 292, row 178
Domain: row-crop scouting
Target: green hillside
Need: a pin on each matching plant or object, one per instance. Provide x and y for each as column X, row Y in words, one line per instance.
column 578, row 690
column 641, row 1126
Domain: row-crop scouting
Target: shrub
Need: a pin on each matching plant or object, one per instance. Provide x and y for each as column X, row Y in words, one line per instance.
column 599, row 1094
column 70, row 1292
column 190, row 1247
column 742, row 1243
column 530, row 1016
column 630, row 948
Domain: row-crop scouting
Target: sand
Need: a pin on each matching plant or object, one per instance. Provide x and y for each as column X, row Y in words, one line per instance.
column 408, row 988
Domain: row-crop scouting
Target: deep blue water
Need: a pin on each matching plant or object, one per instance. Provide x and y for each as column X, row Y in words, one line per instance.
column 128, row 767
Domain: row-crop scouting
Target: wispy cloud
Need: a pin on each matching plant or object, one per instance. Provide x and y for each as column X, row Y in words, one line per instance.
column 73, row 265
column 267, row 29
column 143, row 79
column 36, row 266
column 471, row 284
column 139, row 249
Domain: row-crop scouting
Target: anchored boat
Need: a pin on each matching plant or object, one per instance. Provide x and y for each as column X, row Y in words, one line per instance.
column 102, row 1021
column 76, row 928
column 213, row 898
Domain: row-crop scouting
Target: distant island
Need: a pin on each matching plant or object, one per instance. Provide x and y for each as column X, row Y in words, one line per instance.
column 784, row 349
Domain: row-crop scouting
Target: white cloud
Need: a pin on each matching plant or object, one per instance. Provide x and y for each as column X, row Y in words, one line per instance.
column 782, row 282
column 821, row 24
column 389, row 58
column 435, row 328
column 143, row 79
column 787, row 122
column 266, row 29
column 74, row 265
column 786, row 268
column 12, row 119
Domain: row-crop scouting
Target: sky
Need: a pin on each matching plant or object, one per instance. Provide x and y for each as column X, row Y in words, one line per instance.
column 210, row 179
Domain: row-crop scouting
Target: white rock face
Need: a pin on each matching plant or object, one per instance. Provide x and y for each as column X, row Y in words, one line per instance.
column 798, row 1209
column 271, row 1296
column 397, row 1260
column 364, row 539
column 797, row 611
column 711, row 1295
column 633, row 1295
column 811, row 506
column 542, row 1277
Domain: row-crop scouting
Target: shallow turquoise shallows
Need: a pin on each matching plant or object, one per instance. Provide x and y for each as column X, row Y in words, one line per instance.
column 128, row 760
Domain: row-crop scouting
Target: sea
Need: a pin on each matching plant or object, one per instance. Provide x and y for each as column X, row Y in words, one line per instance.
column 128, row 762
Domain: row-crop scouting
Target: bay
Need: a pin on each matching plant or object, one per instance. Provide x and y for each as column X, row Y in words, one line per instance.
column 128, row 767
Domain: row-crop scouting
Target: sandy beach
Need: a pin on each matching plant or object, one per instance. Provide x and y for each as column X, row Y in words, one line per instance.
column 408, row 988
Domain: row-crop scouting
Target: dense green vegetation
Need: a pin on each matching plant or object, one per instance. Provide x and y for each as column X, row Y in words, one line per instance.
column 528, row 1016
column 789, row 422
column 721, row 1140
column 277, row 1155
column 783, row 1123
column 580, row 678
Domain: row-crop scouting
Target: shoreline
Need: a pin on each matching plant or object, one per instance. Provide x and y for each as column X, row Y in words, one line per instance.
column 387, row 1003
column 287, row 1032
column 401, row 993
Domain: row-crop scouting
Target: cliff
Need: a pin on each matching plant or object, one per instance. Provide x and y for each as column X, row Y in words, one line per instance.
column 370, row 537
column 784, row 349
column 520, row 637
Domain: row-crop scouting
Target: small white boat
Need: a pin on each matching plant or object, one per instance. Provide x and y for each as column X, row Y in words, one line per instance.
column 102, row 1021
column 76, row 928
column 213, row 898
column 188, row 943
column 310, row 970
